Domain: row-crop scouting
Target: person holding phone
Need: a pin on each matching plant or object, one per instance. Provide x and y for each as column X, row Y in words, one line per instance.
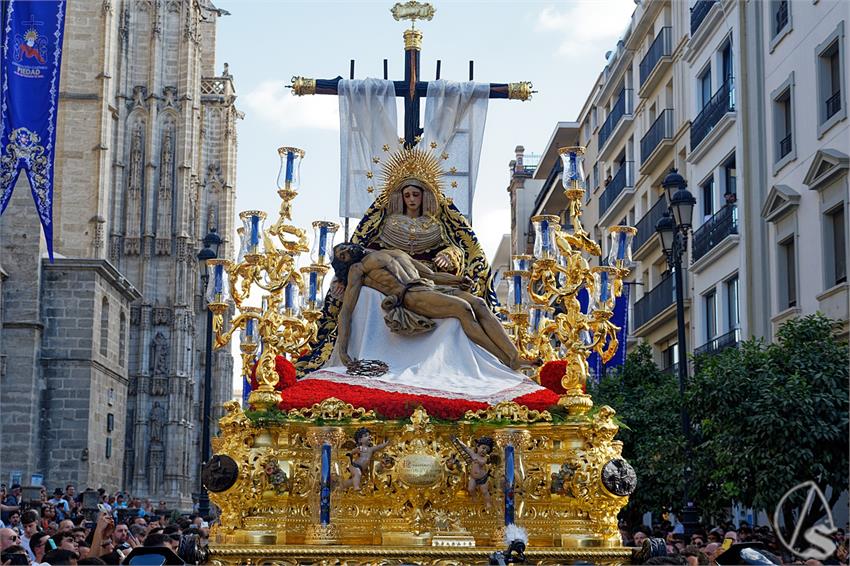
column 102, row 543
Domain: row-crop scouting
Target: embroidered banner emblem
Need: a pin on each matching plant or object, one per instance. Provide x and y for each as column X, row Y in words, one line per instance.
column 32, row 56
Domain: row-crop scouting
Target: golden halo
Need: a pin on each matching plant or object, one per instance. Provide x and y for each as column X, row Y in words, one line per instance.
column 416, row 164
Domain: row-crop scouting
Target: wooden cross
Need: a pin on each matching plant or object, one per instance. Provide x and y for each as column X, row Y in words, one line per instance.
column 411, row 88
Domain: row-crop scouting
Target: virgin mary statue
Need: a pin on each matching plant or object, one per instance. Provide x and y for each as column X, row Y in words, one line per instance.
column 442, row 363
column 413, row 215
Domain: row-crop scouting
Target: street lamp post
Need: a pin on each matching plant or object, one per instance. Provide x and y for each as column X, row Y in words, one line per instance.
column 673, row 230
column 209, row 251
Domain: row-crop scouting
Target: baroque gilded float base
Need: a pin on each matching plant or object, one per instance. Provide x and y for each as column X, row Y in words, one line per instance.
column 393, row 556
column 418, row 500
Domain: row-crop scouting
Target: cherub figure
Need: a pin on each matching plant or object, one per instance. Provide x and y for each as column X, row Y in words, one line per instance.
column 561, row 478
column 360, row 457
column 275, row 476
column 479, row 466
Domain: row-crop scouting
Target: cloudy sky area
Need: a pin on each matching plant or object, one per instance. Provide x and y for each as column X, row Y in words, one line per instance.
column 559, row 46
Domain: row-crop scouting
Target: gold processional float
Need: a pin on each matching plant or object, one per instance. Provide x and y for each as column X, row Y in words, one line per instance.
column 281, row 479
column 559, row 474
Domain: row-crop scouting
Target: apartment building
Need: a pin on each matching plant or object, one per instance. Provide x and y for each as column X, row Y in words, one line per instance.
column 711, row 64
column 501, row 263
column 765, row 158
column 804, row 47
column 634, row 131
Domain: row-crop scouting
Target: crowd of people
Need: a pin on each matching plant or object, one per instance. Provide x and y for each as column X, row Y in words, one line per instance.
column 59, row 530
column 66, row 528
column 666, row 543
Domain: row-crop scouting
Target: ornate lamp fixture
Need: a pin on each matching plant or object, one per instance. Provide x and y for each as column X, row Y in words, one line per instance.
column 292, row 297
column 552, row 282
column 673, row 230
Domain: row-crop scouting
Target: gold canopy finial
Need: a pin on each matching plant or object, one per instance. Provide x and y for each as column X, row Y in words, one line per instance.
column 413, row 10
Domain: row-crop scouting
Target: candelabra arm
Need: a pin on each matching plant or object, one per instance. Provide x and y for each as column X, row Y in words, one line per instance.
column 240, row 290
column 222, row 339
column 607, row 331
column 280, row 229
column 543, row 345
column 590, row 246
column 295, row 333
column 247, row 363
column 217, row 324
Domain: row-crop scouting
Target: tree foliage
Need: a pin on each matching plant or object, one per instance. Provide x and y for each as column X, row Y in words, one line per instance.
column 769, row 417
column 647, row 401
column 764, row 418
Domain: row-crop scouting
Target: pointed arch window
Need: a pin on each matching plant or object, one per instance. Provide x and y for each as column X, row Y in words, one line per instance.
column 104, row 327
column 122, row 339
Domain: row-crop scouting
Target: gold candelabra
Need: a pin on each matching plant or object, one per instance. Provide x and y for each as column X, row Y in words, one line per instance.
column 291, row 298
column 545, row 316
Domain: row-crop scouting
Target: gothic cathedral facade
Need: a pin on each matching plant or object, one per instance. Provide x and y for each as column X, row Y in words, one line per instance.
column 145, row 167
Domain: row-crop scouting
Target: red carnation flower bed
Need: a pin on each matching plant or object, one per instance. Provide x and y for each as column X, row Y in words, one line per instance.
column 308, row 392
column 551, row 374
column 285, row 372
column 389, row 405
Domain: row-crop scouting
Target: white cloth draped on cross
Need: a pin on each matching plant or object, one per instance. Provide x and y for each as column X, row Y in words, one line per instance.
column 455, row 115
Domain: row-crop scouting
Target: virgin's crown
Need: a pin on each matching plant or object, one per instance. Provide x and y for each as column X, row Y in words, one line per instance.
column 413, row 163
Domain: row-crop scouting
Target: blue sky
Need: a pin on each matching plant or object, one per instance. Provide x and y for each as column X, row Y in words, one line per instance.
column 559, row 46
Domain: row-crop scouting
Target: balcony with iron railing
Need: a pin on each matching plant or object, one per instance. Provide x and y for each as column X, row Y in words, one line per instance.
column 833, row 104
column 661, row 47
column 660, row 130
column 551, row 178
column 621, row 108
column 672, row 369
column 646, row 225
column 658, row 299
column 720, row 343
column 531, row 160
column 721, row 102
column 732, row 186
column 625, row 177
column 714, row 230
column 698, row 13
